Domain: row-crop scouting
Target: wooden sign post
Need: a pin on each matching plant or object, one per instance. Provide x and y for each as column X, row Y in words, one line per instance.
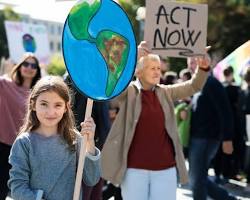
column 82, row 154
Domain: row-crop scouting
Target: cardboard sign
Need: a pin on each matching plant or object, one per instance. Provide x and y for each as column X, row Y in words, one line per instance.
column 176, row 29
column 23, row 37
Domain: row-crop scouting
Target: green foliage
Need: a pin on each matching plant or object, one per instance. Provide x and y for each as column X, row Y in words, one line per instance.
column 228, row 25
column 177, row 64
column 131, row 8
column 235, row 28
column 56, row 65
column 6, row 14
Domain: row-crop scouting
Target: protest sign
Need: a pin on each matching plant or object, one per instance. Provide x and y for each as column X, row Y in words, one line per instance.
column 24, row 37
column 176, row 29
column 99, row 49
column 239, row 59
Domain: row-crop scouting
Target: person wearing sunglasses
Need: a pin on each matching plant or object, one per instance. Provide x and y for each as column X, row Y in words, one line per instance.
column 14, row 91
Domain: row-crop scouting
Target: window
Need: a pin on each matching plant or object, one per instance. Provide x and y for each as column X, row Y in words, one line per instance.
column 51, row 45
column 59, row 46
column 59, row 30
column 52, row 29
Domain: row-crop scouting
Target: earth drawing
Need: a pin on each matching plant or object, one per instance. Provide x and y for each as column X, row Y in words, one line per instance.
column 99, row 48
column 29, row 43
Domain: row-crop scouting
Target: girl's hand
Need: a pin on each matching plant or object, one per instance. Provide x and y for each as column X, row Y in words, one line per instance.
column 88, row 128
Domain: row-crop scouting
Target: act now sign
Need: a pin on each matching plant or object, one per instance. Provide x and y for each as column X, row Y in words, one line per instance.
column 176, row 29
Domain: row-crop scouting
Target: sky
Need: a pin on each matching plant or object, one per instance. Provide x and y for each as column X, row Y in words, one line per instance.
column 52, row 10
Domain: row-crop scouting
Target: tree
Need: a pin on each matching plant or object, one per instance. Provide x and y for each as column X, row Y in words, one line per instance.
column 56, row 65
column 131, row 9
column 228, row 24
column 6, row 14
column 235, row 28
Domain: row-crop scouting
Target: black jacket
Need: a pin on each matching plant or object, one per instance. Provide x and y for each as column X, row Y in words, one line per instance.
column 212, row 116
column 100, row 114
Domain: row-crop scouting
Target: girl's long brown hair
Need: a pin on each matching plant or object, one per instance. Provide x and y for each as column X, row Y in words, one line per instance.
column 66, row 127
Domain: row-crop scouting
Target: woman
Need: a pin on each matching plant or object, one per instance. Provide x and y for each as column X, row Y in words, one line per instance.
column 142, row 151
column 13, row 95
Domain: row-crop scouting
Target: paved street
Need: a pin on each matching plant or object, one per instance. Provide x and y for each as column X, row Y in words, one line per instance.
column 243, row 192
column 240, row 190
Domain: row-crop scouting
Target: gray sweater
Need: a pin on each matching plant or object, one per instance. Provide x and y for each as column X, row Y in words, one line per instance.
column 46, row 163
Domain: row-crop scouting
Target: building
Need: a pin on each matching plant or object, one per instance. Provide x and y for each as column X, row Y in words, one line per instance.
column 54, row 28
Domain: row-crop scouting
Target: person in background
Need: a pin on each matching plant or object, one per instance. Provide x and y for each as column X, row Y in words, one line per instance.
column 142, row 151
column 164, row 66
column 185, row 74
column 100, row 114
column 183, row 114
column 211, row 124
column 169, row 78
column 110, row 190
column 245, row 113
column 231, row 165
column 14, row 91
column 45, row 154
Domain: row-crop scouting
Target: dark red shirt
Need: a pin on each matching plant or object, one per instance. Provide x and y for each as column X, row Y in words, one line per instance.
column 151, row 147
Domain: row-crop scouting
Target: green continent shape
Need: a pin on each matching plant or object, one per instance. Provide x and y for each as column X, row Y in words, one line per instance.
column 114, row 48
column 79, row 18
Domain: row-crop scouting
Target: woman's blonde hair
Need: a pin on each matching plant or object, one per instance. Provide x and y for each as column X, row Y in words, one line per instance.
column 66, row 127
column 140, row 63
column 16, row 73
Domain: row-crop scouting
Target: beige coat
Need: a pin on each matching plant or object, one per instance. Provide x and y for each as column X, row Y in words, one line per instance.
column 116, row 147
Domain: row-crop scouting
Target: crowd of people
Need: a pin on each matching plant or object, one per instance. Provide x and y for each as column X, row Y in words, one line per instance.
column 137, row 143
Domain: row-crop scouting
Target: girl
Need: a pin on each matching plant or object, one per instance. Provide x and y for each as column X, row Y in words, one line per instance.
column 44, row 156
column 14, row 92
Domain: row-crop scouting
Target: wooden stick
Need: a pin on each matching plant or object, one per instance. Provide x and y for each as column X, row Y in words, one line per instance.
column 39, row 195
column 82, row 154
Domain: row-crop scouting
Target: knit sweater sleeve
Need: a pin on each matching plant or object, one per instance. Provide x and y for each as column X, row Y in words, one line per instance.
column 20, row 171
column 92, row 166
column 92, row 169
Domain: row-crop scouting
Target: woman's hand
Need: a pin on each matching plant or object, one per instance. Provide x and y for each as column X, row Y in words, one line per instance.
column 204, row 62
column 143, row 50
column 88, row 128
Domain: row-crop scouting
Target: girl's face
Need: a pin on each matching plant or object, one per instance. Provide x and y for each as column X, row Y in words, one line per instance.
column 29, row 68
column 50, row 108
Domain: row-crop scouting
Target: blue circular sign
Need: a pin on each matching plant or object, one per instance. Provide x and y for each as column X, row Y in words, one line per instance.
column 99, row 48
